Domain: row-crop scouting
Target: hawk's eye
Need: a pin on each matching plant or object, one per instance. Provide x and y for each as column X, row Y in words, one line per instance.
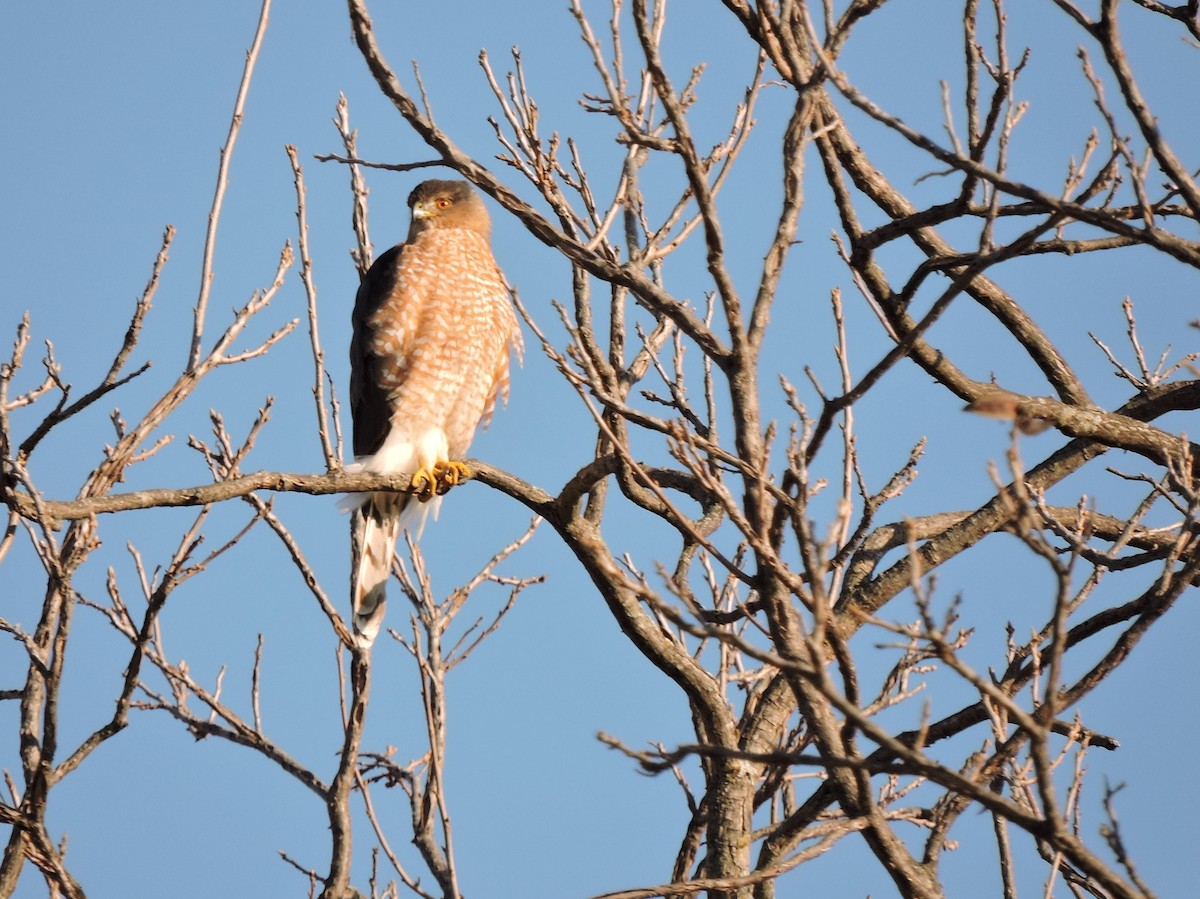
column 441, row 203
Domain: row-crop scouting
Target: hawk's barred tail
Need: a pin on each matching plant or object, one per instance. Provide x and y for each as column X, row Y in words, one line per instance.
column 379, row 520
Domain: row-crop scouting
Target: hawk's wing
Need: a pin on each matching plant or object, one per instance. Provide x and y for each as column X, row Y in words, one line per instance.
column 375, row 524
column 369, row 406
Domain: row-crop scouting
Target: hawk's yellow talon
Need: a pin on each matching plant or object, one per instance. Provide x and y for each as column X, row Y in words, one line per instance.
column 437, row 480
column 450, row 474
column 424, row 484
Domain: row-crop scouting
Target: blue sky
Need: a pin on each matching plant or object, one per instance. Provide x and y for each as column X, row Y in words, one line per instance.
column 114, row 115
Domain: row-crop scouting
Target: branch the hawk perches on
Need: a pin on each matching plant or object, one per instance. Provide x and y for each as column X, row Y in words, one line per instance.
column 433, row 327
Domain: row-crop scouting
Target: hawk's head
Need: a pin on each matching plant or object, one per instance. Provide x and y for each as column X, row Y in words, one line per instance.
column 446, row 204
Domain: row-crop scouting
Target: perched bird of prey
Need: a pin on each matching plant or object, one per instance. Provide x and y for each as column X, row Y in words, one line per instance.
column 433, row 327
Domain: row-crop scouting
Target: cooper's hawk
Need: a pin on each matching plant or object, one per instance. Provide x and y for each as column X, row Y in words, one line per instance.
column 432, row 331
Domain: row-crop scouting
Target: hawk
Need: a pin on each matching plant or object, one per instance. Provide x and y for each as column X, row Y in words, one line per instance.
column 432, row 331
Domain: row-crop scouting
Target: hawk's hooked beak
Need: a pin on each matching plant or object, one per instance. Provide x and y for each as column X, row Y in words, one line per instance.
column 420, row 211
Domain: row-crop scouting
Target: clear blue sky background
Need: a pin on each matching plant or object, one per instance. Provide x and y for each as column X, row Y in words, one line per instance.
column 114, row 114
